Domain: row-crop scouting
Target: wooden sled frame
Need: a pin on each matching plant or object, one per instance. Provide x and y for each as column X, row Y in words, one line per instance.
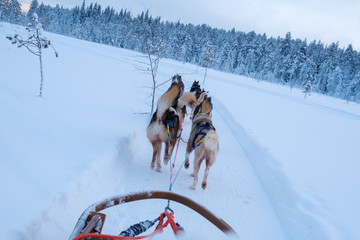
column 91, row 217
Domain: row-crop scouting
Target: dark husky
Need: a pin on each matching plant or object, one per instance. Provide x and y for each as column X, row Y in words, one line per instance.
column 165, row 123
column 195, row 88
column 204, row 139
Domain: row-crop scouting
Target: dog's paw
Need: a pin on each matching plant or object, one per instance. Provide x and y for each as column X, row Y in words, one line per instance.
column 193, row 175
column 204, row 185
column 158, row 169
column 187, row 165
column 193, row 187
column 152, row 166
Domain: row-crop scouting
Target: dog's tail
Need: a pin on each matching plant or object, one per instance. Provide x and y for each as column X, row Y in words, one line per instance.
column 187, row 99
column 211, row 141
column 167, row 100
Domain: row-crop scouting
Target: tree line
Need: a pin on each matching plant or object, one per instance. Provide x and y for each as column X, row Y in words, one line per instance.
column 329, row 69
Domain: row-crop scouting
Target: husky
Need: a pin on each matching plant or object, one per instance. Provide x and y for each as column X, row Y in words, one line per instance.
column 204, row 139
column 165, row 122
column 196, row 90
column 192, row 98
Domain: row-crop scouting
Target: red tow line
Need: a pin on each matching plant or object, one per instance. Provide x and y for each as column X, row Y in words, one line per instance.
column 159, row 229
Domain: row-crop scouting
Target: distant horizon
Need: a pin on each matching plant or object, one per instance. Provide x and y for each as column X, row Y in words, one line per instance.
column 279, row 19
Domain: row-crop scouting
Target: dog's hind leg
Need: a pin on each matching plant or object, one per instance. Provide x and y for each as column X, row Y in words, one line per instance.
column 152, row 164
column 156, row 156
column 209, row 163
column 197, row 163
column 166, row 154
column 195, row 173
column 187, row 154
column 204, row 182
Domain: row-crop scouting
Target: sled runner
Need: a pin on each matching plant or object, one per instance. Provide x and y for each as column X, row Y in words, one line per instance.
column 90, row 223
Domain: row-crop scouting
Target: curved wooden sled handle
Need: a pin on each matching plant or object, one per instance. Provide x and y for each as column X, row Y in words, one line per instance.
column 117, row 200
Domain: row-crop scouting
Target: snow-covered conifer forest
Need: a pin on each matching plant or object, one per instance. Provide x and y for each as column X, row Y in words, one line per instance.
column 331, row 70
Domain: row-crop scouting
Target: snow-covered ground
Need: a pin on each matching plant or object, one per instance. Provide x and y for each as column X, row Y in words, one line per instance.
column 288, row 166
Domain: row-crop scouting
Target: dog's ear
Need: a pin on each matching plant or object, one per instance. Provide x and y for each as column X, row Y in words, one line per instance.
column 210, row 104
column 176, row 78
column 197, row 109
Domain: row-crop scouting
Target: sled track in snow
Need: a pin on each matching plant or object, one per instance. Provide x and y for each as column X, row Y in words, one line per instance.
column 275, row 184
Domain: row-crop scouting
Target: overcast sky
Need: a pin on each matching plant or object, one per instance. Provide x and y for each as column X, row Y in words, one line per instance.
column 325, row 20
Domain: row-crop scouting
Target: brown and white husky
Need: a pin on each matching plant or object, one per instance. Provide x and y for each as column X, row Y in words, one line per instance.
column 165, row 122
column 193, row 98
column 204, row 139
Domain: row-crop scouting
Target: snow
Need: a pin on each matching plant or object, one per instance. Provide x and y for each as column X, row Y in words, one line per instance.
column 287, row 166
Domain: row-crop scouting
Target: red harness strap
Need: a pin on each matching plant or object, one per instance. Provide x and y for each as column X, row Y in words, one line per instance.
column 159, row 229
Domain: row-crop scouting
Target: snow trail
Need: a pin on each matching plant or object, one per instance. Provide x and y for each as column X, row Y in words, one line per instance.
column 236, row 196
column 276, row 186
column 82, row 142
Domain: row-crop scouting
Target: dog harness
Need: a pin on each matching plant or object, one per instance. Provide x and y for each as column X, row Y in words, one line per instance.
column 200, row 131
column 170, row 123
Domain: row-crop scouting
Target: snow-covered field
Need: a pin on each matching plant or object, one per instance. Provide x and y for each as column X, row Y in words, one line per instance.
column 288, row 166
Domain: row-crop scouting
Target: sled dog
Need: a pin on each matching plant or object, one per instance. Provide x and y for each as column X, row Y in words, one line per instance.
column 193, row 98
column 165, row 122
column 204, row 139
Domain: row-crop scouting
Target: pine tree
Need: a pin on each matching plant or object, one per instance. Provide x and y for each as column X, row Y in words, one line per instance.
column 348, row 63
column 268, row 61
column 10, row 11
column 207, row 58
column 224, row 56
column 4, row 9
column 82, row 13
column 308, row 71
column 353, row 90
column 33, row 9
column 286, row 60
column 336, row 82
column 327, row 67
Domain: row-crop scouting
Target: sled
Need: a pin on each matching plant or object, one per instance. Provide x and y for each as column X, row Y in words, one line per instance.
column 91, row 222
